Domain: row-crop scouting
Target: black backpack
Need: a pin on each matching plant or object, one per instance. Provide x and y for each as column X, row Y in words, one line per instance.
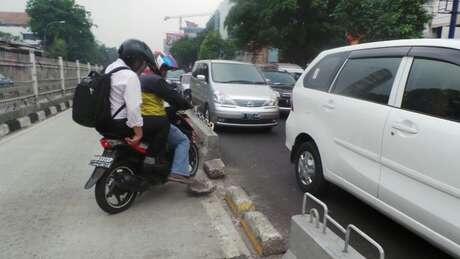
column 91, row 103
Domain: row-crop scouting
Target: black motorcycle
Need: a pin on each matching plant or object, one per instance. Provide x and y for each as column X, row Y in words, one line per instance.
column 122, row 172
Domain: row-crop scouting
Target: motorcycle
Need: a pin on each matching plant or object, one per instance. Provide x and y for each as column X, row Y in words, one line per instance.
column 123, row 172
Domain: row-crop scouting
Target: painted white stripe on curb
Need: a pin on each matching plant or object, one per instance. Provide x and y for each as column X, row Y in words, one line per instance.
column 24, row 122
column 53, row 110
column 41, row 115
column 4, row 130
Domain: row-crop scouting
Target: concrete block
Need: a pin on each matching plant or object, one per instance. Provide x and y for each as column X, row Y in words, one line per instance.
column 238, row 200
column 4, row 130
column 52, row 110
column 209, row 140
column 265, row 239
column 33, row 117
column 63, row 106
column 214, row 168
column 41, row 115
column 308, row 242
column 24, row 122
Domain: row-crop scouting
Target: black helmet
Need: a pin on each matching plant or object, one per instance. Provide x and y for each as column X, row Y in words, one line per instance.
column 136, row 49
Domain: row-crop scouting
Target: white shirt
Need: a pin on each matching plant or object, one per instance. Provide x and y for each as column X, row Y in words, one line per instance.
column 126, row 88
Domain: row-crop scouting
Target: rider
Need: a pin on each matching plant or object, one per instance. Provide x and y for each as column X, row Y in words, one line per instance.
column 155, row 89
column 125, row 94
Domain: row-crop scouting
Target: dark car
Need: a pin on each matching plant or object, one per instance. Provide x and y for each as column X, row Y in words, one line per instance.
column 5, row 81
column 282, row 82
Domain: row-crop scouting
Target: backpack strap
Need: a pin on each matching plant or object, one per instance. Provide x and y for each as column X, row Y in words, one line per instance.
column 124, row 105
column 117, row 69
column 118, row 111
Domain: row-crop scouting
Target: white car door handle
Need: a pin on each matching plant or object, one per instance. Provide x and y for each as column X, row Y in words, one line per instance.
column 405, row 128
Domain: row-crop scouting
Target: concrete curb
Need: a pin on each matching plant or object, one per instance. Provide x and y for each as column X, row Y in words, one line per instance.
column 214, row 169
column 27, row 121
column 265, row 239
column 209, row 140
column 4, row 130
column 238, row 201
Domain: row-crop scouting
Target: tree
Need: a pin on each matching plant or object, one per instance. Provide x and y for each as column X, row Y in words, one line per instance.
column 375, row 20
column 58, row 48
column 106, row 55
column 214, row 47
column 76, row 32
column 186, row 50
column 301, row 29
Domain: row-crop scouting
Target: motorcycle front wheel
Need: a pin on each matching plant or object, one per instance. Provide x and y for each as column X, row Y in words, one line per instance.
column 194, row 158
column 109, row 197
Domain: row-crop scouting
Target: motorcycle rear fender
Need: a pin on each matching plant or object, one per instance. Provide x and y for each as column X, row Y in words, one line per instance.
column 97, row 174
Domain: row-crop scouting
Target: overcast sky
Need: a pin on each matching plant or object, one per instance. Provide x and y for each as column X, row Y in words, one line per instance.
column 143, row 19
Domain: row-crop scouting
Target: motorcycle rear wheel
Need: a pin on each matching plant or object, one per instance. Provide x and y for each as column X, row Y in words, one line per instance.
column 110, row 198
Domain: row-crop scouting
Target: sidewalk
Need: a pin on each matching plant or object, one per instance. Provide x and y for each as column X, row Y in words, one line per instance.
column 46, row 213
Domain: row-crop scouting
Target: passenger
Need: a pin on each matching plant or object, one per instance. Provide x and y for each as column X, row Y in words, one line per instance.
column 125, row 95
column 156, row 90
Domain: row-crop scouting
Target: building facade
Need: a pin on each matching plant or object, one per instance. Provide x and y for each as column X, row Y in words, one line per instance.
column 17, row 24
column 441, row 11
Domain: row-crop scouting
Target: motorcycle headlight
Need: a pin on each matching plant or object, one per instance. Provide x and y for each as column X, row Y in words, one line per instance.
column 221, row 98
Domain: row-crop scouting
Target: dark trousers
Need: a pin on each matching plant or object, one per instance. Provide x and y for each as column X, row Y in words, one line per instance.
column 156, row 130
column 116, row 129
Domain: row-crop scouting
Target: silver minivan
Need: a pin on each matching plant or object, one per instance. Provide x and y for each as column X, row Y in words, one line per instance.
column 231, row 93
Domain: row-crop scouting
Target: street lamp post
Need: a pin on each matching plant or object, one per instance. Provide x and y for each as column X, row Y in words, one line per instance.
column 46, row 30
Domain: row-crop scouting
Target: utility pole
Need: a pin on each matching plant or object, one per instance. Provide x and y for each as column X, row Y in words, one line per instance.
column 453, row 19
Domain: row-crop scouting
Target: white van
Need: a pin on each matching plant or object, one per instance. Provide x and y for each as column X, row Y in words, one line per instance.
column 382, row 120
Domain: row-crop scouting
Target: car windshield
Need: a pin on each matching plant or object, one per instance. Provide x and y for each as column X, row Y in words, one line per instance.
column 278, row 78
column 236, row 73
column 175, row 73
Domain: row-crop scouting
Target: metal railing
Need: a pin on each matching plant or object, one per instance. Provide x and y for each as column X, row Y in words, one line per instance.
column 36, row 78
column 315, row 217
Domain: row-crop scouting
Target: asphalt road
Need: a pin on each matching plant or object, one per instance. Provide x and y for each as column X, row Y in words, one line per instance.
column 259, row 162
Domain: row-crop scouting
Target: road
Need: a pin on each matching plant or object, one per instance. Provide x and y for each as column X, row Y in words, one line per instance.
column 260, row 163
column 46, row 213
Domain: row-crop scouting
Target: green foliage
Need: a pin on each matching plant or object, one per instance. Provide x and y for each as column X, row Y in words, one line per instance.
column 186, row 50
column 106, row 55
column 76, row 32
column 58, row 49
column 8, row 36
column 376, row 20
column 301, row 29
column 214, row 47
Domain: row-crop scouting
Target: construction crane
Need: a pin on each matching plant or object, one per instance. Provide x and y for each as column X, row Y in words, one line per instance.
column 180, row 17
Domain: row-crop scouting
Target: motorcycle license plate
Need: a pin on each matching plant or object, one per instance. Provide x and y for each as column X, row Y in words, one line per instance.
column 101, row 161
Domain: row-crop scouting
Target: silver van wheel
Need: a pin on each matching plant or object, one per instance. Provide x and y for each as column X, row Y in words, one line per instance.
column 306, row 168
